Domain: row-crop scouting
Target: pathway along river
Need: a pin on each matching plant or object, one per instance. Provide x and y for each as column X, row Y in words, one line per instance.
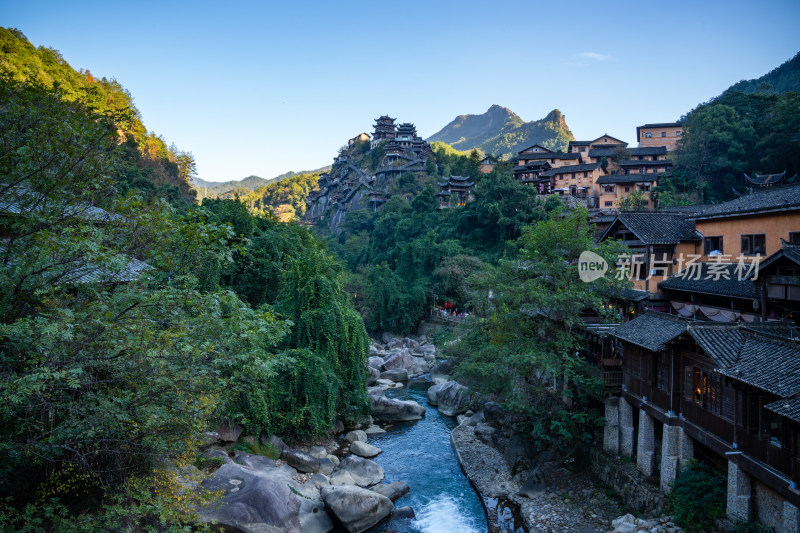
column 419, row 453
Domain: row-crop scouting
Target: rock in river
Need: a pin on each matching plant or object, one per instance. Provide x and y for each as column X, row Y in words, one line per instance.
column 393, row 491
column 362, row 449
column 390, row 409
column 453, row 398
column 433, row 394
column 363, row 471
column 395, row 374
column 356, row 509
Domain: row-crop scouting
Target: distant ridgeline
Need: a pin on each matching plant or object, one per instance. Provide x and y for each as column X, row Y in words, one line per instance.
column 368, row 169
column 501, row 133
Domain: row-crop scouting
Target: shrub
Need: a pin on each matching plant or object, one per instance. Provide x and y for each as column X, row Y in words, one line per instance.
column 698, row 497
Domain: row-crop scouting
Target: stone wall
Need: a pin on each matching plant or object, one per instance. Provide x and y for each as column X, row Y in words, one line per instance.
column 622, row 475
column 768, row 506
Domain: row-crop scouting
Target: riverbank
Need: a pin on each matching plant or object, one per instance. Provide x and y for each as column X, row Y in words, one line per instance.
column 570, row 503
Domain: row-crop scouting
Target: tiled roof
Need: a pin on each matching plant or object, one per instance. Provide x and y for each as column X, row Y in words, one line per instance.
column 657, row 228
column 130, row 271
column 765, row 179
column 571, row 168
column 551, row 155
column 710, row 278
column 761, row 201
column 788, row 250
column 628, row 178
column 660, row 125
column 645, row 163
column 651, row 331
column 769, row 363
column 786, row 407
column 720, row 342
column 648, row 150
column 579, row 143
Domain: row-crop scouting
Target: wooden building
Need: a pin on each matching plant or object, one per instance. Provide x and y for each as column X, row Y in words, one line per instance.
column 726, row 391
column 614, row 188
column 455, row 191
column 661, row 134
column 384, row 129
column 655, row 241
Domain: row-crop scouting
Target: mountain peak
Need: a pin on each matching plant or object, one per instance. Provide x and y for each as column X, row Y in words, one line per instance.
column 500, row 132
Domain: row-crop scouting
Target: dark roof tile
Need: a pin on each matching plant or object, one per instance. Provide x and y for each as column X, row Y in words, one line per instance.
column 717, row 279
column 656, row 228
column 760, row 201
column 651, row 331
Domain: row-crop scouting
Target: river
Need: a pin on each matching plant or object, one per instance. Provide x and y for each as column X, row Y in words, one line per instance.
column 419, row 453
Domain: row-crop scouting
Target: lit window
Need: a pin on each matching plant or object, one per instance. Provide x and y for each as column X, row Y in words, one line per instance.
column 648, row 135
column 678, row 133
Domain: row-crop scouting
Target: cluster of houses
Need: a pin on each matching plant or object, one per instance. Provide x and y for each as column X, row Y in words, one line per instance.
column 706, row 360
column 601, row 173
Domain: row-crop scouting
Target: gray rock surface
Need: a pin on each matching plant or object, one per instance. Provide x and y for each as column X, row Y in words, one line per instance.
column 363, row 471
column 390, row 409
column 393, row 491
column 215, row 452
column 374, row 430
column 228, row 432
column 313, row 517
column 395, row 374
column 356, row 435
column 362, row 449
column 404, row 512
column 256, row 462
column 440, row 373
column 375, row 362
column 355, row 508
column 453, row 398
column 433, row 394
column 253, row 501
column 401, row 359
column 342, row 477
column 374, row 376
column 318, row 451
column 301, row 461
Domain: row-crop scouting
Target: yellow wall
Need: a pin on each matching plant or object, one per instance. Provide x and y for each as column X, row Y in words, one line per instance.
column 774, row 226
column 670, row 141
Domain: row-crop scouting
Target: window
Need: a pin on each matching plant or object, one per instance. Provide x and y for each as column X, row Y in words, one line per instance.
column 794, row 237
column 609, row 204
column 703, row 387
column 712, row 244
column 678, row 133
column 663, row 133
column 627, row 189
column 754, row 244
column 648, row 135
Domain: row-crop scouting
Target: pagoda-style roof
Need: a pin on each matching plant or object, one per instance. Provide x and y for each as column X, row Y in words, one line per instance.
column 761, row 201
column 536, row 149
column 765, row 180
column 385, row 119
column 406, row 128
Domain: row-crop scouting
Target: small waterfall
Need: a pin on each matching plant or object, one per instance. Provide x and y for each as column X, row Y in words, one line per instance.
column 444, row 515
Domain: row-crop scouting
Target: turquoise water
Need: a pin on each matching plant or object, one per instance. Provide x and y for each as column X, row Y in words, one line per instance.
column 419, row 453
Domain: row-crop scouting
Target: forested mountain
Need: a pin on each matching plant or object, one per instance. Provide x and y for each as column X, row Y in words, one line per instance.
column 784, row 78
column 751, row 128
column 215, row 189
column 150, row 165
column 500, row 132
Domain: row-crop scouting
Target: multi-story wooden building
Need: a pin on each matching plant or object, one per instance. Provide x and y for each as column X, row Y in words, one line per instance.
column 614, row 188
column 662, row 134
column 455, row 191
column 725, row 391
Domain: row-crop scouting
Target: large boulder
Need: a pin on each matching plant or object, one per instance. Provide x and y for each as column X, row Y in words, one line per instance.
column 217, row 454
column 301, row 461
column 252, row 500
column 256, row 462
column 363, row 471
column 362, row 449
column 411, row 344
column 355, row 508
column 356, row 435
column 453, row 398
column 433, row 394
column 441, row 372
column 376, row 362
column 374, row 376
column 313, row 518
column 388, row 337
column 228, row 431
column 534, row 483
column 393, row 491
column 401, row 359
column 396, row 374
column 394, row 344
column 318, row 451
column 494, row 414
column 390, row 409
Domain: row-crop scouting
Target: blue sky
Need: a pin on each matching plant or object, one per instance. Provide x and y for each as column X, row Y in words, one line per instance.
column 263, row 88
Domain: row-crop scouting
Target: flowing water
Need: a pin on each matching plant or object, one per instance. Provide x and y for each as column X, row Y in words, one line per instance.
column 419, row 453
